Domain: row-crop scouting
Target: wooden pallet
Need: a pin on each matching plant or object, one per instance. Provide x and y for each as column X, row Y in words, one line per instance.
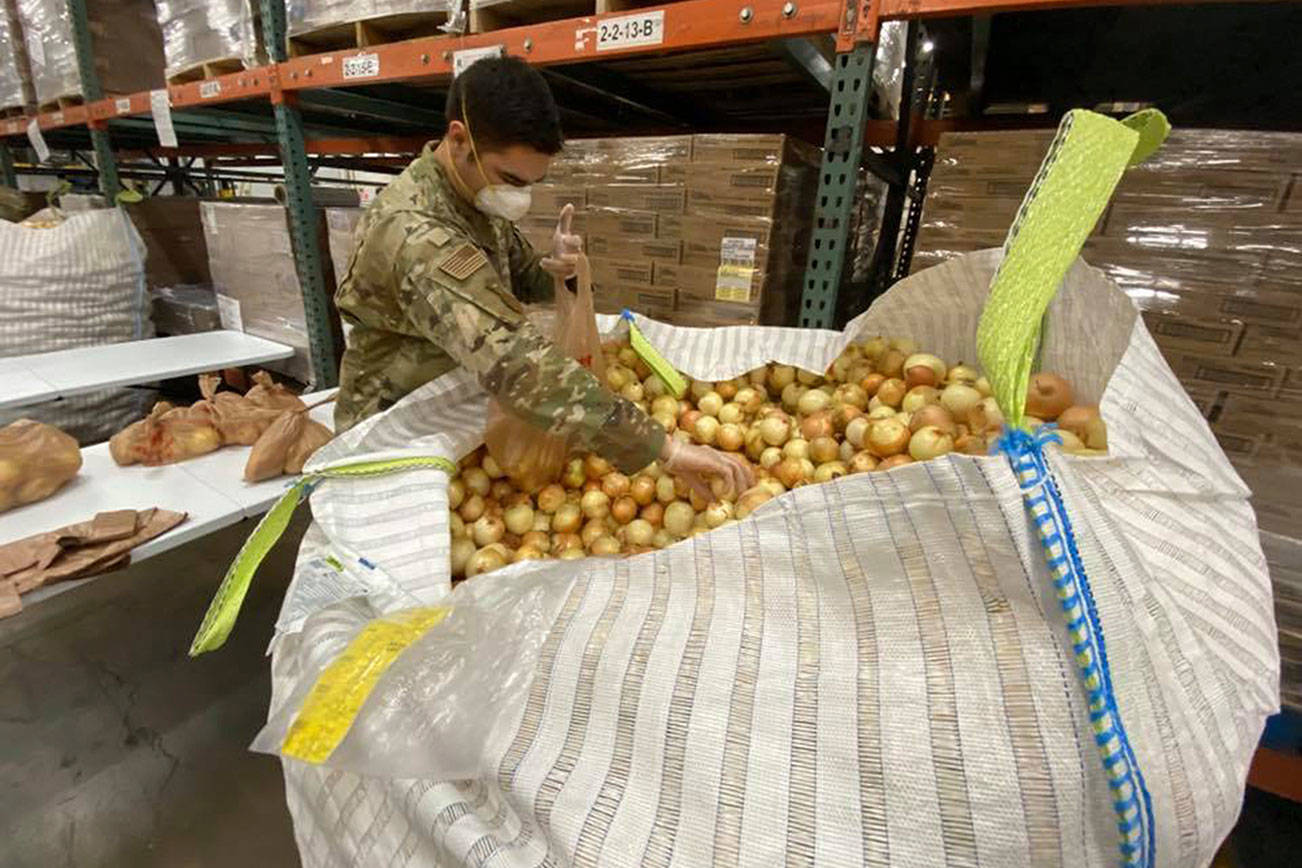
column 368, row 31
column 206, row 70
column 514, row 13
column 12, row 112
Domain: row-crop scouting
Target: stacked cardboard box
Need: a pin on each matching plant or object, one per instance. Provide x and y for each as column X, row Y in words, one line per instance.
column 697, row 230
column 1206, row 237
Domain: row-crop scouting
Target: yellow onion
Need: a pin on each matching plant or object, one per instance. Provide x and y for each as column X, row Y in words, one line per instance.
column 639, row 532
column 930, row 442
column 654, row 387
column 678, row 518
column 775, row 429
column 731, row 413
column 662, row 538
column 748, row 399
column 456, row 526
column 551, row 498
column 596, row 467
column 873, row 347
column 642, row 489
column 591, row 530
column 567, row 519
column 519, row 518
column 781, row 376
column 857, row 430
column 665, row 404
column 862, row 462
column 959, row 399
column 462, row 549
column 923, row 369
column 665, row 489
column 624, row 509
column 567, row 540
column 502, row 491
column 823, row 450
column 918, row 397
column 891, row 364
column 473, row 507
column 891, row 392
column 574, row 475
column 807, row 379
column 964, row 374
column 595, row 504
column 894, row 461
column 572, row 554
column 492, row 468
column 486, row 560
column 538, row 539
column 933, row 414
column 797, row 447
column 985, row 419
column 653, row 513
column 871, row 383
column 817, row 424
column 707, row 430
column 791, row 396
column 710, row 404
column 730, row 437
column 830, row 470
column 792, row 472
column 1086, row 424
column 770, row 457
column 615, row 484
column 477, row 480
column 717, row 513
column 887, row 437
column 813, row 401
column 751, row 499
column 755, row 444
column 456, row 493
column 1047, row 396
column 527, row 553
column 632, row 391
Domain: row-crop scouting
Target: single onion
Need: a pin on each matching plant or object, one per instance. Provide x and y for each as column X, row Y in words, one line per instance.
column 885, row 411
column 807, row 379
column 678, row 518
column 932, row 376
column 615, row 484
column 930, row 442
column 697, row 500
column 662, row 538
column 918, row 397
column 773, row 485
column 519, row 518
column 771, row 456
column 1070, row 442
column 642, row 489
column 567, row 519
column 462, row 550
column 687, row 421
column 591, row 485
column 823, row 450
column 985, row 419
column 791, row 472
column 775, row 429
column 857, row 429
column 574, row 475
column 639, row 532
column 596, row 467
column 887, row 437
column 731, row 413
column 862, row 462
column 591, row 530
column 846, row 451
column 632, row 391
column 492, row 468
column 748, row 399
column 852, row 394
column 502, row 491
column 1086, row 424
column 653, row 514
column 654, row 387
column 797, row 447
column 873, row 347
column 710, row 404
column 730, row 437
column 550, row 498
column 755, row 444
column 527, row 553
column 843, row 415
column 665, row 404
column 537, row 539
column 1047, row 396
column 624, row 509
column 961, row 373
column 617, row 377
column 485, row 560
column 698, row 389
column 817, row 424
column 707, row 430
column 813, row 401
column 781, row 376
column 595, row 504
column 894, row 461
column 727, row 389
column 830, row 470
column 473, row 507
column 566, row 540
column 933, row 414
column 983, row 386
column 665, row 489
column 891, row 392
column 717, row 513
column 541, row 521
column 456, row 525
column 456, row 493
column 751, row 499
column 477, row 480
column 573, row 554
column 891, row 364
column 791, row 396
column 959, row 399
column 970, row 444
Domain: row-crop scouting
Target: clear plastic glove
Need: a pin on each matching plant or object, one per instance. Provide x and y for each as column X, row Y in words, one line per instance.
column 695, row 464
column 566, row 247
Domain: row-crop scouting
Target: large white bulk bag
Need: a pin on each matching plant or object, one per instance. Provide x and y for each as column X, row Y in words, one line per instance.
column 77, row 280
column 870, row 671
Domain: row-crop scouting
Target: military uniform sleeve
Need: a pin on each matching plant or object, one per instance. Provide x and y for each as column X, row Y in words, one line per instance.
column 526, row 269
column 453, row 296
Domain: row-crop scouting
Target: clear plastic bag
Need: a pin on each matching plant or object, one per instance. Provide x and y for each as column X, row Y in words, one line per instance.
column 530, row 457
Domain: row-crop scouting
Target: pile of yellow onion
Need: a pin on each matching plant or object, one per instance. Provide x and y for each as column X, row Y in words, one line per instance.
column 880, row 405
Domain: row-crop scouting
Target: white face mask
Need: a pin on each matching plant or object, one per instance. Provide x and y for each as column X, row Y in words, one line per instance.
column 503, row 200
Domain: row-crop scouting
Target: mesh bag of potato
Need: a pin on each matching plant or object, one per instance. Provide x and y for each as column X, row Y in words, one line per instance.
column 868, row 666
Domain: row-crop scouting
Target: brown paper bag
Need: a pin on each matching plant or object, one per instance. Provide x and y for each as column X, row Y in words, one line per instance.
column 36, row 460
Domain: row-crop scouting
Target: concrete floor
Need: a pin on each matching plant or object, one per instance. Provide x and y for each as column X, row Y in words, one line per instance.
column 117, row 749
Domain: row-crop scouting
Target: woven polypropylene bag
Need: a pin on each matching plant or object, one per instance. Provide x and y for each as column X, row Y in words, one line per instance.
column 80, row 283
column 870, row 671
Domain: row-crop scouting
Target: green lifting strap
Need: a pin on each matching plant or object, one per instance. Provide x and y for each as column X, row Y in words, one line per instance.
column 1075, row 182
column 225, row 605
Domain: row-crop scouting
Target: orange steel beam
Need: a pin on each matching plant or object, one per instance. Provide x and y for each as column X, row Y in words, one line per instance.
column 1277, row 772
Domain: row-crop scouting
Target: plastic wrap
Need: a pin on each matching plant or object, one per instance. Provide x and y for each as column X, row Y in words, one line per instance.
column 306, row 16
column 184, row 310
column 340, row 226
column 15, row 69
column 1206, row 238
column 196, row 32
column 910, row 611
column 252, row 265
column 125, row 38
column 700, row 230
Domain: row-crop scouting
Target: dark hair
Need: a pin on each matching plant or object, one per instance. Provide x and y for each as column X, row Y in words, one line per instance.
column 510, row 104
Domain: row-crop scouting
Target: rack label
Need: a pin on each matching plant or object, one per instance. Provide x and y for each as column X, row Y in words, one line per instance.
column 362, row 66
column 161, row 108
column 38, row 141
column 626, row 31
column 58, row 118
column 228, row 311
column 210, row 89
column 466, row 56
column 123, row 105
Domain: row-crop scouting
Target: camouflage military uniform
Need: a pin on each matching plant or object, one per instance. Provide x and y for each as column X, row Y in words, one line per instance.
column 429, row 287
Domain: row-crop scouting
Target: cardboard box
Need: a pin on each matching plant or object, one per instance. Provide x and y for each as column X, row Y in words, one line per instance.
column 661, row 198
column 697, row 313
column 622, row 272
column 1184, row 334
column 704, row 239
column 715, row 201
column 549, row 199
column 655, row 302
column 623, row 247
column 1258, row 378
column 1204, row 399
column 752, row 148
column 741, row 180
column 622, row 222
column 739, row 285
column 1270, row 343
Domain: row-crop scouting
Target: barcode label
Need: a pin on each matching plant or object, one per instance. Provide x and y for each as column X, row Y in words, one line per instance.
column 733, row 283
column 209, row 89
column 362, row 66
column 58, row 118
column 737, row 251
column 626, row 31
column 123, row 105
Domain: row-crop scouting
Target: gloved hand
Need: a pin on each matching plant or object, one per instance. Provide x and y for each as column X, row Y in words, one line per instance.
column 696, row 463
column 566, row 247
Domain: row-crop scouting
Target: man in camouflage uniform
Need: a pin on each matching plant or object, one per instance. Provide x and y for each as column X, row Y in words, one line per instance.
column 440, row 271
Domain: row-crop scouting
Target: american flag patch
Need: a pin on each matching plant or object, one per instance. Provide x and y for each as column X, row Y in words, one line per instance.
column 463, row 262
